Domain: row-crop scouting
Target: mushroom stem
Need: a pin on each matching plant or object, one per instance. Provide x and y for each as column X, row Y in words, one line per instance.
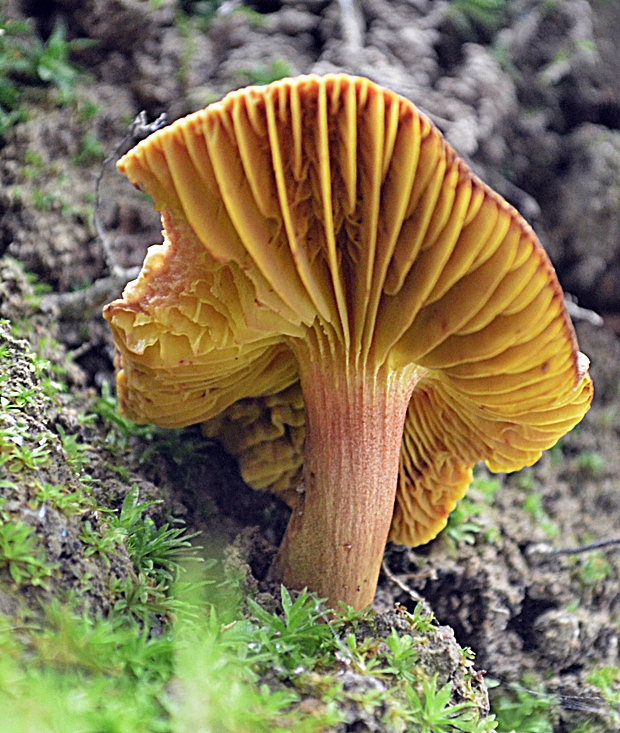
column 336, row 535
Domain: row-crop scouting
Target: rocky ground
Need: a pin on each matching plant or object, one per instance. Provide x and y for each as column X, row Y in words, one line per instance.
column 529, row 93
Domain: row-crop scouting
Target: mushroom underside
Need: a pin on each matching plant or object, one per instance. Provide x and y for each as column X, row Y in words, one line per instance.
column 322, row 239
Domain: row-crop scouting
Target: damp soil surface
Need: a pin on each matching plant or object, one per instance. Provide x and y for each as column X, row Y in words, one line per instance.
column 529, row 94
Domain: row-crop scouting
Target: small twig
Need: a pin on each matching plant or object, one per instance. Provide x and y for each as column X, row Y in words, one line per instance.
column 583, row 703
column 80, row 351
column 414, row 595
column 441, row 123
column 544, row 549
column 138, row 130
column 351, row 25
column 76, row 305
column 227, row 7
column 523, row 201
column 577, row 313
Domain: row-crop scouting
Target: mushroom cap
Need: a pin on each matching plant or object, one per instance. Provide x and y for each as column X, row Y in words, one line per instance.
column 332, row 204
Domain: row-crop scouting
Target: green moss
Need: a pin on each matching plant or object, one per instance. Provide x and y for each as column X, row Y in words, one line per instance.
column 261, row 74
column 59, row 497
column 25, row 57
column 607, row 680
column 525, row 708
column 592, row 569
column 167, row 646
column 462, row 524
column 590, row 463
column 533, row 505
column 468, row 16
column 210, row 673
column 22, row 555
column 91, row 150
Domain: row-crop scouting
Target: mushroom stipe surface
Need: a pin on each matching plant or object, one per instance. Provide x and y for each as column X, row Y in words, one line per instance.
column 320, row 236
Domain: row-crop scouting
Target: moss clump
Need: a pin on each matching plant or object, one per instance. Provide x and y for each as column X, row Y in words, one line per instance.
column 94, row 606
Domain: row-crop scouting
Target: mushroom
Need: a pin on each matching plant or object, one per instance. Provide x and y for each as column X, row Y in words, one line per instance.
column 266, row 435
column 320, row 230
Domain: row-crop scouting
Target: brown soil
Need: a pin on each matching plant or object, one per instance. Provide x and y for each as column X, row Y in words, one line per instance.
column 534, row 105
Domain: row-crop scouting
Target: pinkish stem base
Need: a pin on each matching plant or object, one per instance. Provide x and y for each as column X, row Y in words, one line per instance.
column 337, row 533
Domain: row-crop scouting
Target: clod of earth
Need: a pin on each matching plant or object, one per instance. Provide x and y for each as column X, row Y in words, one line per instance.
column 320, row 230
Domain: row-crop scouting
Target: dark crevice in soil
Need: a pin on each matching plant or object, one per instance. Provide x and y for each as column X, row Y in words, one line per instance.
column 523, row 623
column 265, row 7
column 449, row 50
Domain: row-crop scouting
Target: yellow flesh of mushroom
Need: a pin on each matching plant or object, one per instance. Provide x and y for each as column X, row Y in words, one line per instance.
column 321, row 228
